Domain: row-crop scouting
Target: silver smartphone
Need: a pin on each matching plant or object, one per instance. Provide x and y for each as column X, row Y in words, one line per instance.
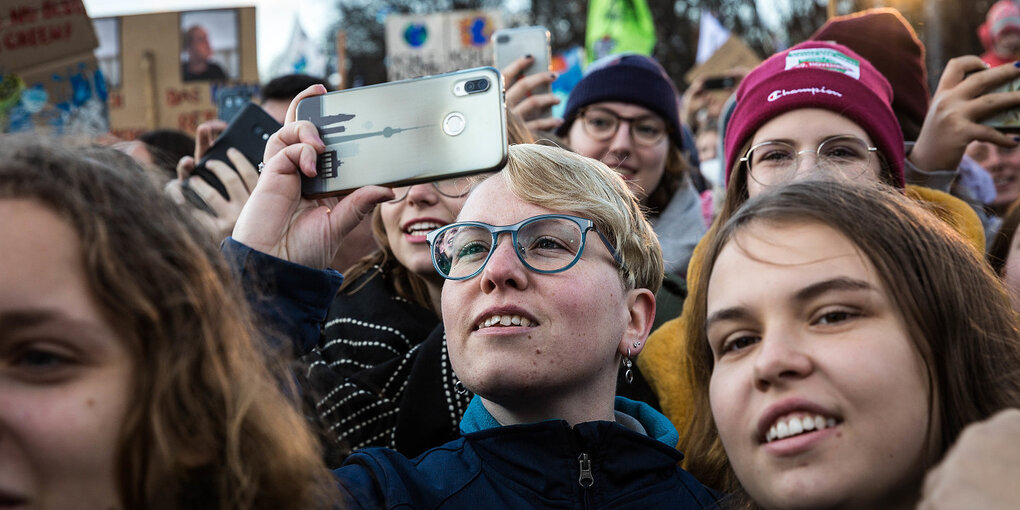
column 407, row 132
column 509, row 44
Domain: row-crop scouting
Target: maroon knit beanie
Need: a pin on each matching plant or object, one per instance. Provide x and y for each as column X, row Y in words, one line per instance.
column 821, row 75
column 886, row 39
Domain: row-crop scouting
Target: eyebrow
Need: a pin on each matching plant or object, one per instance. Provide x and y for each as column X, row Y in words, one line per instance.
column 727, row 314
column 802, row 296
column 18, row 319
column 835, row 284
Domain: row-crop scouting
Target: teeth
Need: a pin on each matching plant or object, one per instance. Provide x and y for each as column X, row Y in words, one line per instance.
column 423, row 227
column 791, row 426
column 505, row 320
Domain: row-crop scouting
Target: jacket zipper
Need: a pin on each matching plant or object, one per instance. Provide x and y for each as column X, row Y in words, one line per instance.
column 586, row 480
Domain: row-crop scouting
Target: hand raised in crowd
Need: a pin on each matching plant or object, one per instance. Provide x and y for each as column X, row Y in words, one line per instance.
column 957, row 108
column 205, row 136
column 219, row 214
column 278, row 221
column 521, row 99
column 980, row 470
column 696, row 98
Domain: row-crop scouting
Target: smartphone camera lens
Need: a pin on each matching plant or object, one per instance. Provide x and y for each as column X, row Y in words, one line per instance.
column 480, row 85
column 502, row 38
column 469, row 86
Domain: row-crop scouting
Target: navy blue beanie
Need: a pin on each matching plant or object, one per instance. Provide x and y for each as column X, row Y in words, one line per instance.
column 634, row 79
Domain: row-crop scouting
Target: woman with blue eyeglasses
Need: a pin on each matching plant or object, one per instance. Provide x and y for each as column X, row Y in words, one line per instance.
column 379, row 373
column 550, row 271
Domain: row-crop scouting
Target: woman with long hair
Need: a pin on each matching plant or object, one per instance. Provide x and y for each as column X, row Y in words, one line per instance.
column 131, row 373
column 841, row 339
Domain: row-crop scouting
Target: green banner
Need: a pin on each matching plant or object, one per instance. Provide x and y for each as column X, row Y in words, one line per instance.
column 619, row 26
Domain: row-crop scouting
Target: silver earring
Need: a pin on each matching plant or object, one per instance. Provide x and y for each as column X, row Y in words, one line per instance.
column 637, row 344
column 460, row 388
column 628, row 374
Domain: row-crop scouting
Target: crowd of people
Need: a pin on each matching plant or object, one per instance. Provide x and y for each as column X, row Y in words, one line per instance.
column 830, row 322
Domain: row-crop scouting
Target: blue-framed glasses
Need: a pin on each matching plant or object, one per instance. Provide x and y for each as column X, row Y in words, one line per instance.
column 549, row 243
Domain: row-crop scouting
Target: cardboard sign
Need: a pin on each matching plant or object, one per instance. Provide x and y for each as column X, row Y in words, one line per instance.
column 153, row 94
column 734, row 54
column 420, row 45
column 35, row 32
column 49, row 79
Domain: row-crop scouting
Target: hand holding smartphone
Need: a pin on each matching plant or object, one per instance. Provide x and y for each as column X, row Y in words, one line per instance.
column 510, row 44
column 407, row 132
column 248, row 132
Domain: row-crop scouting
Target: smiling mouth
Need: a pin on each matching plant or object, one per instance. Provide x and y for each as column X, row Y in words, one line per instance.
column 506, row 321
column 797, row 424
column 421, row 228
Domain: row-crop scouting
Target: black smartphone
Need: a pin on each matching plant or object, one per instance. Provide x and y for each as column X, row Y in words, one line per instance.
column 407, row 132
column 248, row 132
column 719, row 83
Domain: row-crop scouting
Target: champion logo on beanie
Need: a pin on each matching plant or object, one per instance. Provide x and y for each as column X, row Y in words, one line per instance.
column 817, row 75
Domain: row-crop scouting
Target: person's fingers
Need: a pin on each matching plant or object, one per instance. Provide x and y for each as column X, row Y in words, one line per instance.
column 185, row 166
column 206, row 192
column 535, row 103
column 513, row 69
column 989, row 134
column 314, row 90
column 173, row 190
column 249, row 175
column 348, row 212
column 230, row 179
column 987, row 105
column 982, row 82
column 296, row 158
column 543, row 124
column 293, row 133
column 526, row 86
column 206, row 135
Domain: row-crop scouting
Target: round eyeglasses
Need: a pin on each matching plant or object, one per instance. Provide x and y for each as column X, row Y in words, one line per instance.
column 773, row 162
column 602, row 124
column 549, row 243
column 455, row 187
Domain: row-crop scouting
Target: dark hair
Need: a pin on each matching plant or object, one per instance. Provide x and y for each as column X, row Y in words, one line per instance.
column 167, row 147
column 288, row 86
column 999, row 250
column 954, row 308
column 207, row 424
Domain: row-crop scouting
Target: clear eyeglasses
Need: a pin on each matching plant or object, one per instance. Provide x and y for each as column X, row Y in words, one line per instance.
column 772, row 162
column 602, row 124
column 455, row 187
column 549, row 243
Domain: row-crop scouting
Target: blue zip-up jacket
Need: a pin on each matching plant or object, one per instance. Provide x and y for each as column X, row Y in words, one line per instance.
column 630, row 463
column 548, row 464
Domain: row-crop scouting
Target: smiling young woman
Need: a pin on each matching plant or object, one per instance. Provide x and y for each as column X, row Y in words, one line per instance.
column 842, row 338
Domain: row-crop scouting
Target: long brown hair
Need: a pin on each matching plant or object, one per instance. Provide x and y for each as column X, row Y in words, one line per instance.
column 208, row 424
column 955, row 309
column 998, row 252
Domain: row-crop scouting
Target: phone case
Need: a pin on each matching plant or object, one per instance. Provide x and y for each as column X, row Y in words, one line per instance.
column 409, row 131
column 509, row 44
column 248, row 133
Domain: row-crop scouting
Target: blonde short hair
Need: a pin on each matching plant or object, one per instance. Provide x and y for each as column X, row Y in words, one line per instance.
column 564, row 181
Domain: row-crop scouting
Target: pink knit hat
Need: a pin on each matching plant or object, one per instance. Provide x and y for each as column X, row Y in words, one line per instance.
column 822, row 75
